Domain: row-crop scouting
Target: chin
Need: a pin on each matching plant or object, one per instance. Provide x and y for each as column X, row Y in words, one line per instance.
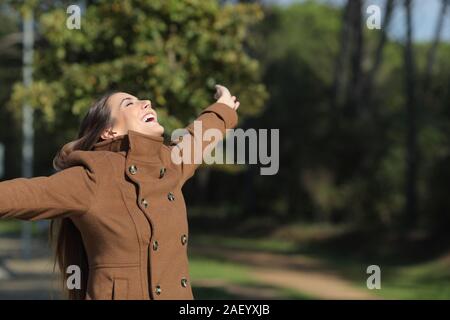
column 156, row 131
column 160, row 130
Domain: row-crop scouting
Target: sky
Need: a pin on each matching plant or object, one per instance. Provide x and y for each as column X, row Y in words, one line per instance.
column 425, row 15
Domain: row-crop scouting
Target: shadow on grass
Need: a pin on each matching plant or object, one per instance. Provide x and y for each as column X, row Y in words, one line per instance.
column 415, row 265
column 208, row 293
column 247, row 292
column 331, row 242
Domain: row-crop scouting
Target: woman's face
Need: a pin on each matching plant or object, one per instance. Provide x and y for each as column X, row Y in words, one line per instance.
column 130, row 113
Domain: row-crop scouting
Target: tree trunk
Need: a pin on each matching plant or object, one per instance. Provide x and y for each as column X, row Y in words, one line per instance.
column 339, row 74
column 431, row 56
column 371, row 75
column 411, row 118
column 354, row 87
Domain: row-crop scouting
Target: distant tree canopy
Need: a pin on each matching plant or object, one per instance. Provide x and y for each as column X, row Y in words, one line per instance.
column 339, row 94
column 171, row 51
column 346, row 161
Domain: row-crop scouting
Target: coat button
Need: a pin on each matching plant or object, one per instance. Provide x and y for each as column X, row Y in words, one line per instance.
column 170, row 196
column 144, row 203
column 162, row 172
column 184, row 282
column 183, row 239
column 158, row 290
column 155, row 245
column 133, row 169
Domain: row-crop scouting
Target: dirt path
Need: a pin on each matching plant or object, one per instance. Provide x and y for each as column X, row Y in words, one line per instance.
column 32, row 279
column 304, row 274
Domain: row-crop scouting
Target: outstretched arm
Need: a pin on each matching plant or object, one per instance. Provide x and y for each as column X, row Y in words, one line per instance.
column 68, row 192
column 220, row 116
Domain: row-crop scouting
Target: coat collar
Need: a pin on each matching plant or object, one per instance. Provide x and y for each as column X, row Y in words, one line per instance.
column 137, row 146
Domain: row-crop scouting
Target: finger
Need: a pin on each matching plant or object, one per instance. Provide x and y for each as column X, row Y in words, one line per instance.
column 218, row 92
column 233, row 98
column 236, row 106
column 224, row 91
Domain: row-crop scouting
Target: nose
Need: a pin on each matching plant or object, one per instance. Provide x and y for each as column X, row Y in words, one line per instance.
column 146, row 104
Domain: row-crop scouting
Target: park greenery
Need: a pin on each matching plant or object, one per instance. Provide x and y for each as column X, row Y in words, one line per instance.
column 364, row 118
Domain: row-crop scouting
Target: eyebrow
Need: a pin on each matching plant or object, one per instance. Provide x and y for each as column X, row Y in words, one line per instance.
column 127, row 98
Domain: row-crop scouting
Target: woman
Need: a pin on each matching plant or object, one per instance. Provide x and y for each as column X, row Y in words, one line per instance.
column 117, row 200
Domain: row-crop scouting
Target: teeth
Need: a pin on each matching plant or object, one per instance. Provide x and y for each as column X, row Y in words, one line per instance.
column 148, row 118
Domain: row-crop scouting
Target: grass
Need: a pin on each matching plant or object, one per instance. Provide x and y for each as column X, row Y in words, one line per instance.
column 423, row 281
column 9, row 226
column 427, row 280
column 206, row 268
column 254, row 244
column 202, row 269
column 15, row 226
column 410, row 268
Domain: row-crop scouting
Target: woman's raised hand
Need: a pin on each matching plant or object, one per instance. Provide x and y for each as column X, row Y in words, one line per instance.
column 224, row 96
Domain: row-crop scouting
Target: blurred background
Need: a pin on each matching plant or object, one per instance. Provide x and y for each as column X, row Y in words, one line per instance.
column 364, row 121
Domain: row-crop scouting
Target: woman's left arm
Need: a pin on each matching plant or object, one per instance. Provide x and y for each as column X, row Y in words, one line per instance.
column 221, row 115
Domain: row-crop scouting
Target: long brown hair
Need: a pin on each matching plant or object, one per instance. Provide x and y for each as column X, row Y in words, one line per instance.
column 65, row 237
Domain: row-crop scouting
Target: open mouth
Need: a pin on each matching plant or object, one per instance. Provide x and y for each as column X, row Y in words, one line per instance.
column 149, row 118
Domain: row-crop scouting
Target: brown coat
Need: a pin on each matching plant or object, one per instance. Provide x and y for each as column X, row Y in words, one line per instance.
column 125, row 198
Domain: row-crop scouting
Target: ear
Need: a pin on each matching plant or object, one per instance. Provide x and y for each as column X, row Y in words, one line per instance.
column 108, row 134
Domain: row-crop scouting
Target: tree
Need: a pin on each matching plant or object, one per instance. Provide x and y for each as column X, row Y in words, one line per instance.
column 411, row 123
column 172, row 52
column 368, row 81
column 10, row 72
column 431, row 56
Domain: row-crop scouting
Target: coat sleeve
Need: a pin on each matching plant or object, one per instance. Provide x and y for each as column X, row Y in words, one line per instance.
column 217, row 116
column 66, row 193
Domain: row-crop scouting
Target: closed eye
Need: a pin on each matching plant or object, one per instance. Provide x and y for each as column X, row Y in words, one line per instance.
column 130, row 101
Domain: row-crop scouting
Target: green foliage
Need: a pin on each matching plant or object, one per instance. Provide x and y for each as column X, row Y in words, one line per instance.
column 336, row 165
column 172, row 52
column 297, row 46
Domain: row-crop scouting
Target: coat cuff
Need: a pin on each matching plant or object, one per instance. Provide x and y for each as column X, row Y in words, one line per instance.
column 224, row 112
